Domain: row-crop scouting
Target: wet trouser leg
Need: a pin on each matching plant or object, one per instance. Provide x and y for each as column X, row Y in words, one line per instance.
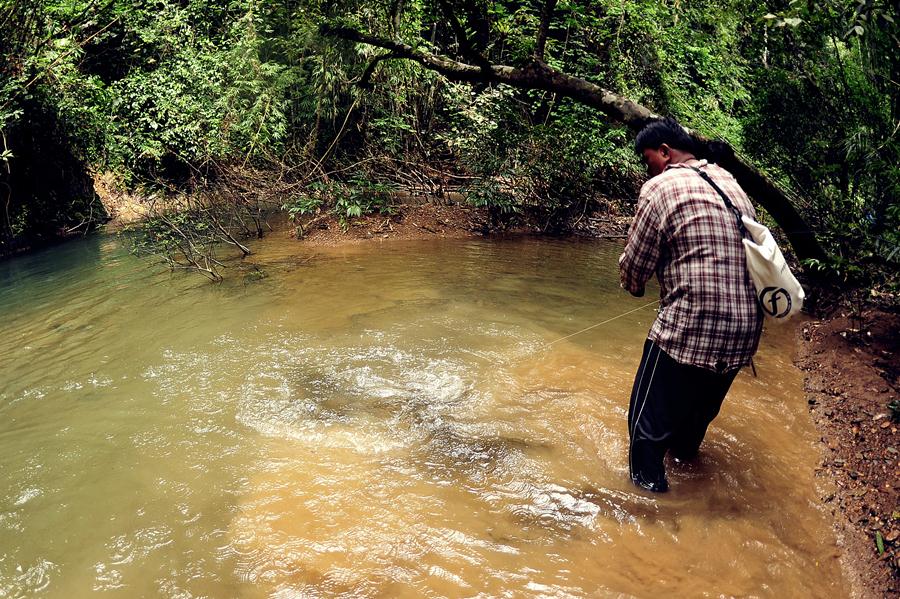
column 671, row 407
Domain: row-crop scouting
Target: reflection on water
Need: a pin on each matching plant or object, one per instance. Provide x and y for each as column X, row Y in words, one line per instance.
column 384, row 420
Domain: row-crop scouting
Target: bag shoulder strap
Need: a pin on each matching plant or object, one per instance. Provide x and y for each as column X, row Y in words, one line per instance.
column 728, row 202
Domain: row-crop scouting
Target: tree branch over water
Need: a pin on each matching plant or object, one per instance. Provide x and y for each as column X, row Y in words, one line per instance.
column 537, row 74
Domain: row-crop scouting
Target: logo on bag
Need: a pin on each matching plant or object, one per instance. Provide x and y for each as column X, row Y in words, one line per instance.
column 775, row 301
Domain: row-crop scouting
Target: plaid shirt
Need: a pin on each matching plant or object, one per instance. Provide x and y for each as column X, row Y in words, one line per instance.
column 683, row 232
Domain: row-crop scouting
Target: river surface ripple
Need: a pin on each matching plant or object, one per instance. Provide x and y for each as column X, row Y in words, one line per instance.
column 378, row 420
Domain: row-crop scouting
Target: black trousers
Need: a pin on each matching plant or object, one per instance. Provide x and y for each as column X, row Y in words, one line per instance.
column 671, row 407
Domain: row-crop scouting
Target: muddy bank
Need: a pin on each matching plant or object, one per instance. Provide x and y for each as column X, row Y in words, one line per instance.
column 852, row 369
column 123, row 207
column 443, row 220
column 421, row 221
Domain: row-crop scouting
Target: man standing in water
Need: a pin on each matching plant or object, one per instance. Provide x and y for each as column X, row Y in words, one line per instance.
column 709, row 322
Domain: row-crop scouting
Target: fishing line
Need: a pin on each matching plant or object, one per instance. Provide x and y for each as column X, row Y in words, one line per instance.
column 594, row 326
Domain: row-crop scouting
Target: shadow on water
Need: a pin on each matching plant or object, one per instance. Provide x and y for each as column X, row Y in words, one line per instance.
column 46, row 269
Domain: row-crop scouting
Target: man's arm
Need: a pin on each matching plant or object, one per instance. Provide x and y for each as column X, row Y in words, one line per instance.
column 638, row 262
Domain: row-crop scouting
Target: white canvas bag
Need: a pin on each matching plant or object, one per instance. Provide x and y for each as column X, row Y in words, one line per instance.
column 777, row 289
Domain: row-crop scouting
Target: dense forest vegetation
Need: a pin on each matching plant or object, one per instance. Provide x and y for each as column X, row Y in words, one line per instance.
column 280, row 103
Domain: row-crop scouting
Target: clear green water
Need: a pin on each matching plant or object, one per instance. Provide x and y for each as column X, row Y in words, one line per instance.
column 379, row 420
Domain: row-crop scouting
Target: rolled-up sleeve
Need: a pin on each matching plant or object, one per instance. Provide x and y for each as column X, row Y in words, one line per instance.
column 638, row 262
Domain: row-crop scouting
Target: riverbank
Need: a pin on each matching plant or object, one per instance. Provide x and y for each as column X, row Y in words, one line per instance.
column 851, row 378
column 439, row 220
column 420, row 221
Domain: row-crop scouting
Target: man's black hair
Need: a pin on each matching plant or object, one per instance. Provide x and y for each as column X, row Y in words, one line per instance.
column 664, row 131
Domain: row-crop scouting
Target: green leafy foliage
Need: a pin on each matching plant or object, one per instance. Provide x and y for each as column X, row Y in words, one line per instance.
column 537, row 153
column 347, row 200
column 169, row 93
column 302, row 206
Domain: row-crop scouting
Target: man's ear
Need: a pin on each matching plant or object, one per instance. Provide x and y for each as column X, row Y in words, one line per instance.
column 665, row 150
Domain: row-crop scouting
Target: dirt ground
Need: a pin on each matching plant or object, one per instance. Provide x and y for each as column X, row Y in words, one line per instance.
column 409, row 222
column 429, row 220
column 122, row 206
column 852, row 369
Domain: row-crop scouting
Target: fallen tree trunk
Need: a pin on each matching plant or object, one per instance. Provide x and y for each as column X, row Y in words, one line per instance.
column 538, row 75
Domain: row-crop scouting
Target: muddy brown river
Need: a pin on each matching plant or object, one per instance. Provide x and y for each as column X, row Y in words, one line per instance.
column 382, row 420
